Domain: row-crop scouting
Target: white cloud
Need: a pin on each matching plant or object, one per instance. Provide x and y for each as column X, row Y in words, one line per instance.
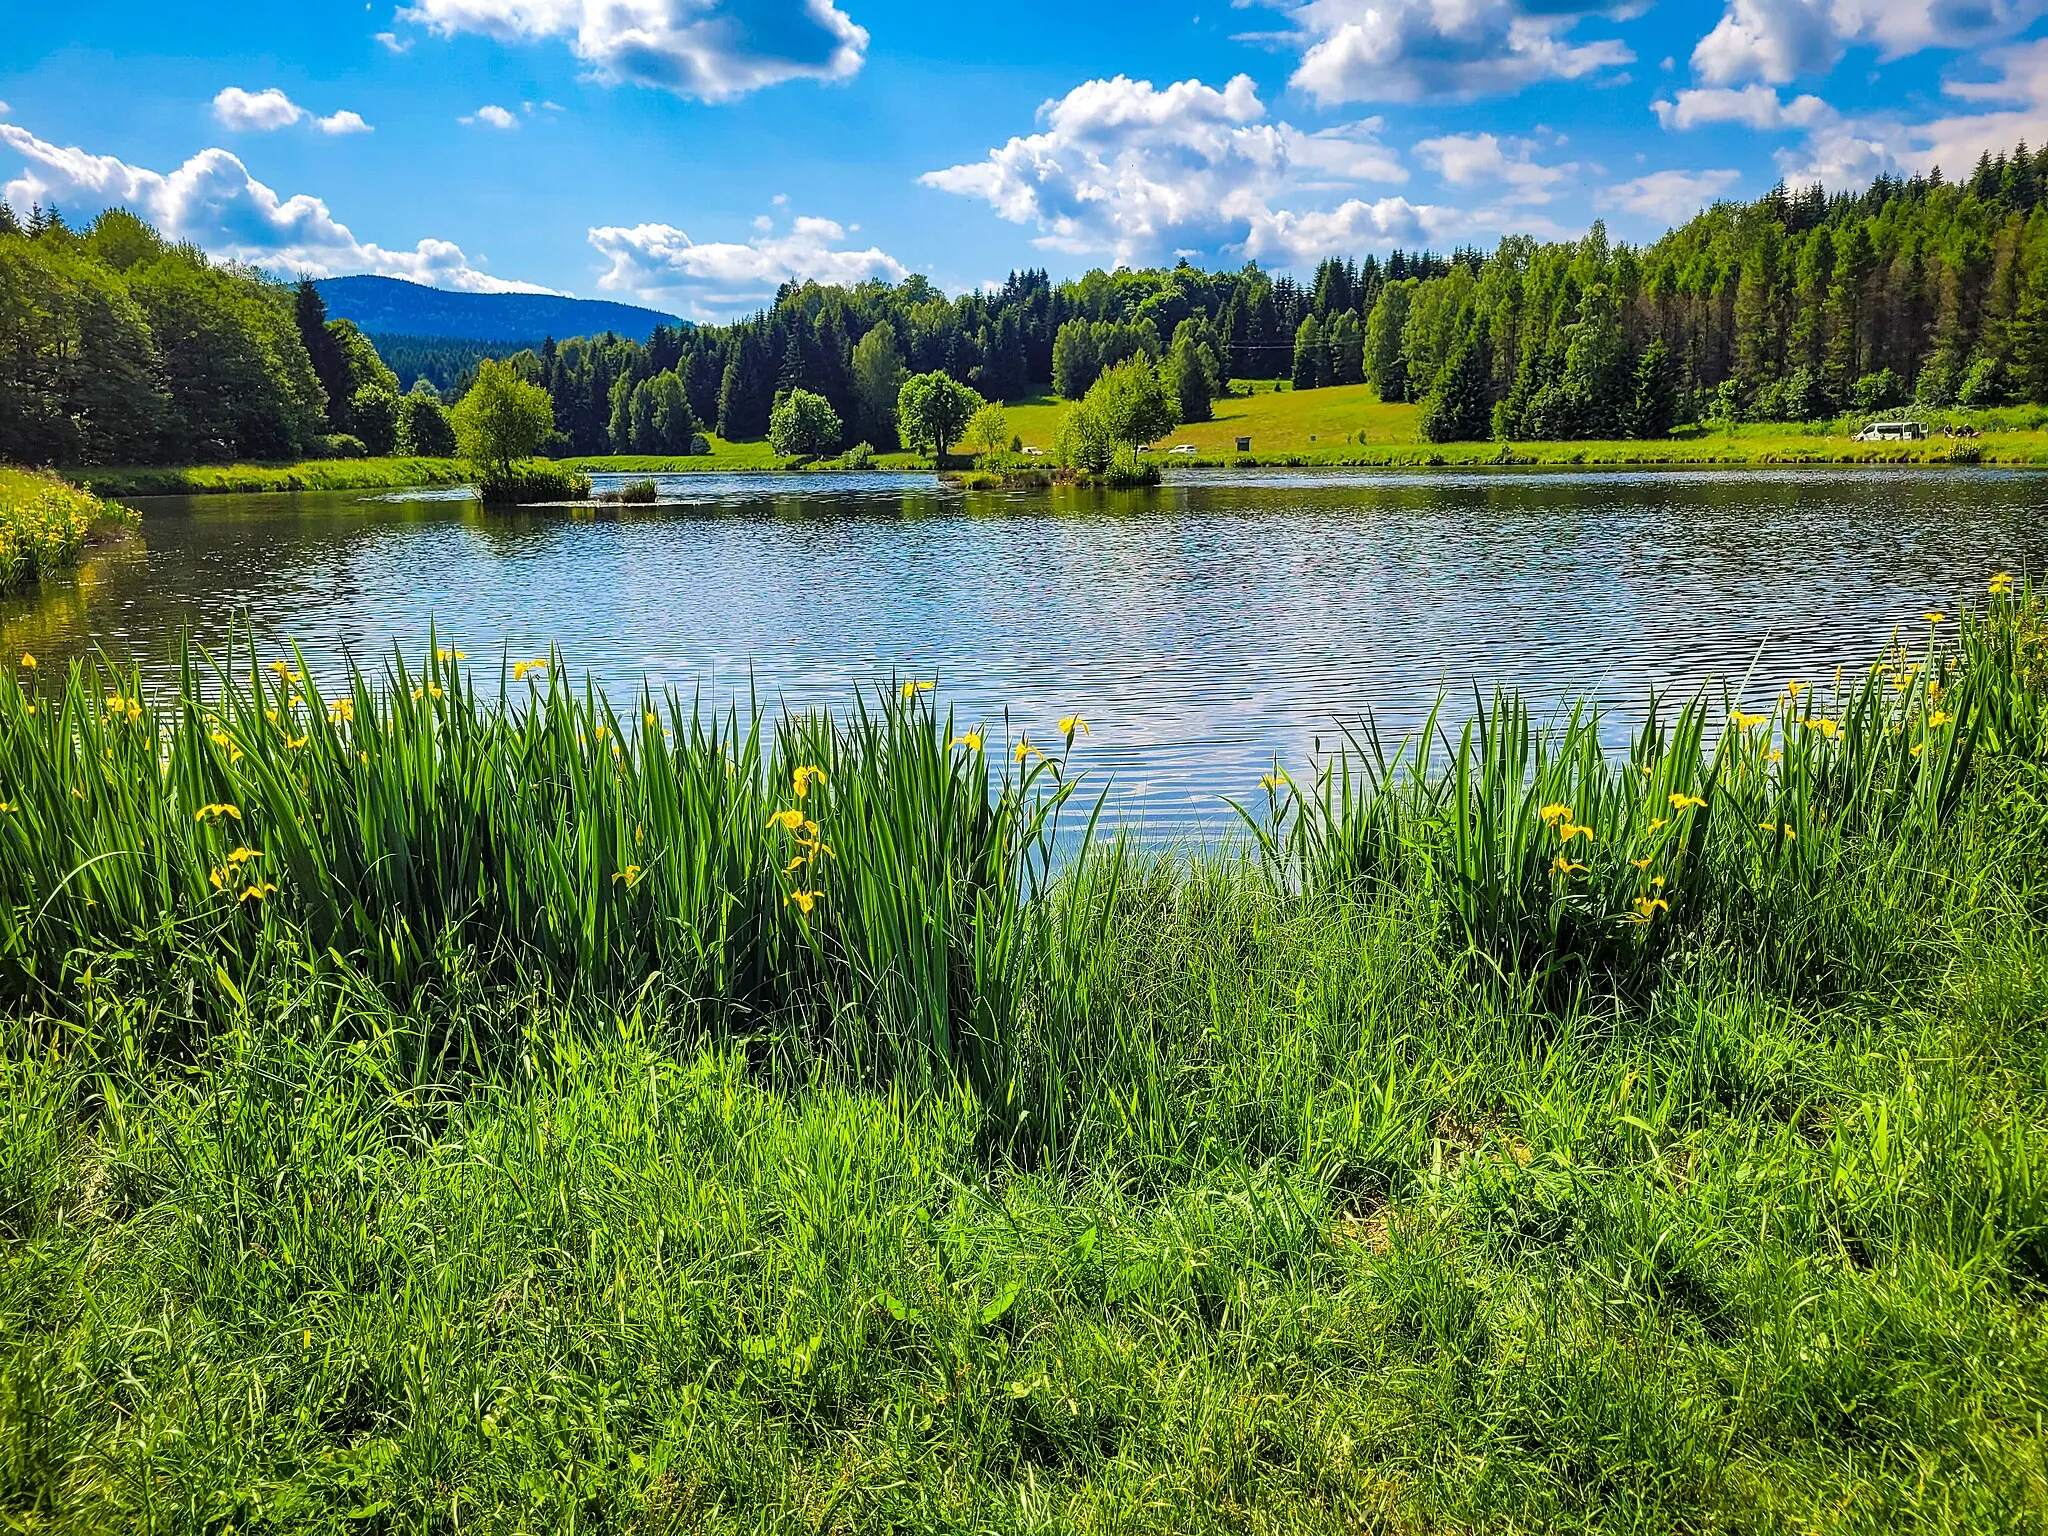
column 710, row 49
column 213, row 201
column 1754, row 106
column 717, row 278
column 1777, row 40
column 1405, row 50
column 1477, row 159
column 1669, row 196
column 268, row 110
column 394, row 42
column 492, row 117
column 1843, row 152
column 1123, row 168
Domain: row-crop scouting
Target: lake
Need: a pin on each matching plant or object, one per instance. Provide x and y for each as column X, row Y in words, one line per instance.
column 1204, row 629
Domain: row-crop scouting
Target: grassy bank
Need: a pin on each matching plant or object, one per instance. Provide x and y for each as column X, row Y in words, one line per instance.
column 311, row 475
column 46, row 523
column 458, row 1103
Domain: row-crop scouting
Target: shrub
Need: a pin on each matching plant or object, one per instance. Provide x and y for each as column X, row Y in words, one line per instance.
column 1128, row 469
column 1878, row 391
column 803, row 425
column 374, row 413
column 423, row 429
column 339, row 445
column 526, row 482
column 1983, row 385
column 44, row 523
column 859, row 456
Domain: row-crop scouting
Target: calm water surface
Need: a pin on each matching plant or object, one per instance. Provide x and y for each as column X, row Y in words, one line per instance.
column 1204, row 629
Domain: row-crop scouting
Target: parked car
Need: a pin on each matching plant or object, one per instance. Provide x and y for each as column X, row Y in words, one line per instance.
column 1891, row 432
column 1184, row 449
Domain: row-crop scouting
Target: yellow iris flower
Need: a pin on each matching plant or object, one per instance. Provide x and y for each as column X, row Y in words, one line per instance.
column 802, row 780
column 1070, row 724
column 789, row 819
column 1687, row 803
column 971, row 740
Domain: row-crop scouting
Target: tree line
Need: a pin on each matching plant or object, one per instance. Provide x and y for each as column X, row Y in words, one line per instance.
column 116, row 345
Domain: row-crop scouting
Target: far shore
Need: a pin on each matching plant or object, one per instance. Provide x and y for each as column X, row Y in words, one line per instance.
column 2018, row 449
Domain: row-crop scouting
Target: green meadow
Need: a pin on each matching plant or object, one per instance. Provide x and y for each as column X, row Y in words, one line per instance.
column 448, row 1099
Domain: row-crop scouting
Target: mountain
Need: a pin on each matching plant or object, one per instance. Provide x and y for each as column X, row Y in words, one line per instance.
column 392, row 305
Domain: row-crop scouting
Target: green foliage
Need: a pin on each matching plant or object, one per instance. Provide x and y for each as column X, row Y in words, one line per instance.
column 424, row 430
column 1132, row 402
column 1311, row 359
column 1386, row 365
column 932, row 410
column 1653, row 408
column 651, row 415
column 501, row 419
column 374, row 411
column 523, row 1142
column 1878, row 391
column 1456, row 409
column 1082, row 442
column 530, row 482
column 878, row 375
column 1984, row 384
column 1128, row 469
column 1075, row 365
column 44, row 524
column 803, row 425
column 988, row 429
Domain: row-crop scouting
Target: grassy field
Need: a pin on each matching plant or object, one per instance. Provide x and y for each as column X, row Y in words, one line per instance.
column 460, row 1104
column 1346, row 426
column 1349, row 425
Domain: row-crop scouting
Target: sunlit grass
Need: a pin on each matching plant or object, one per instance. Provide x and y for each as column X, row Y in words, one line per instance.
column 475, row 1127
column 45, row 523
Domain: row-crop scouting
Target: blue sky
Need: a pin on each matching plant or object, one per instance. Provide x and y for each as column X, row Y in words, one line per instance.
column 692, row 153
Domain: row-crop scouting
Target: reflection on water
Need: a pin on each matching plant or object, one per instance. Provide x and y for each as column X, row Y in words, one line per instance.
column 1203, row 628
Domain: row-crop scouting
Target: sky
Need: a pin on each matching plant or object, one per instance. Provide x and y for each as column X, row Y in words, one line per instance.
column 693, row 154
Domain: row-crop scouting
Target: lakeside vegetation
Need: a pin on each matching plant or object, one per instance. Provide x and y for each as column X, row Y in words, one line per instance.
column 45, row 524
column 455, row 1099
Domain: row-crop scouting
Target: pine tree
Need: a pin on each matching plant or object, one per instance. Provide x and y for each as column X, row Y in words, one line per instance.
column 1311, row 360
column 1457, row 408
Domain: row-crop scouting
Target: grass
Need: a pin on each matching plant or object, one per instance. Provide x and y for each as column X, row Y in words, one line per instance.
column 1349, row 426
column 1342, row 427
column 46, row 523
column 523, row 1112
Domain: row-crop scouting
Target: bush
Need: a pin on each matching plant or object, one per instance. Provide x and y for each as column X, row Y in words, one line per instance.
column 374, row 413
column 803, row 425
column 859, row 456
column 423, row 428
column 1937, row 383
column 339, row 445
column 44, row 523
column 1878, row 391
column 1128, row 469
column 1082, row 442
column 699, row 444
column 1983, row 385
column 526, row 482
column 632, row 493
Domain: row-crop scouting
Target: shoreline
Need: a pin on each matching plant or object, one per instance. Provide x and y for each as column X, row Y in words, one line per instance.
column 2029, row 451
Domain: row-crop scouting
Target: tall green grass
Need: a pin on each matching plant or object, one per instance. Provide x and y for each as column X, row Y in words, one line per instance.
column 44, row 524
column 525, row 1156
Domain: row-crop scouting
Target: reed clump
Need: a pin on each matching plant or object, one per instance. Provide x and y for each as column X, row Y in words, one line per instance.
column 45, row 524
column 448, row 1099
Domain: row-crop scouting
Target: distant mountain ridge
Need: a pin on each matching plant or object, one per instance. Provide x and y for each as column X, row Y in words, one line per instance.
column 393, row 305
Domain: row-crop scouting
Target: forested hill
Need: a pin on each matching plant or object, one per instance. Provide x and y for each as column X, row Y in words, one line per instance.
column 393, row 305
column 118, row 347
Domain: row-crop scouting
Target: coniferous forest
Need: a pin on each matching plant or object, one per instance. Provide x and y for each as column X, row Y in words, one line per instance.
column 119, row 347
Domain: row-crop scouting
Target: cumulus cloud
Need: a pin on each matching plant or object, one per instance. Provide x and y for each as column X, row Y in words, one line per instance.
column 1754, row 106
column 1480, row 159
column 1124, row 168
column 1775, row 41
column 213, row 201
column 268, row 110
column 1406, row 50
column 1669, row 196
column 492, row 117
column 717, row 278
column 708, row 49
column 393, row 42
column 1841, row 151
